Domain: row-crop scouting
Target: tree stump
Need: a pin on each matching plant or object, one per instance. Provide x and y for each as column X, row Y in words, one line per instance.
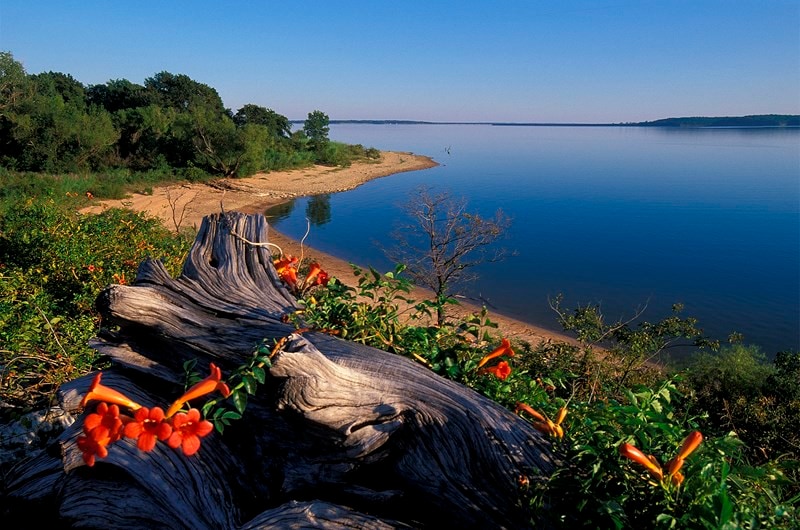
column 340, row 436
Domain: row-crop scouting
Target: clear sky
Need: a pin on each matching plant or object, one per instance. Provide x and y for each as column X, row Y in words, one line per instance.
column 523, row 60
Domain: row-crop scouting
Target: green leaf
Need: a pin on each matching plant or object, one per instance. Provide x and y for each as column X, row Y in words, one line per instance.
column 726, row 508
column 189, row 365
column 240, row 401
column 250, row 384
column 259, row 374
column 631, row 397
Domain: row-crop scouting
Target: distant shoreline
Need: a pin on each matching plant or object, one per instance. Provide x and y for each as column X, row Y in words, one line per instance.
column 756, row 121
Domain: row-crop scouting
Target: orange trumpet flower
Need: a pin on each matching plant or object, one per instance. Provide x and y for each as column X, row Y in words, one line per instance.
column 527, row 408
column 148, row 425
column 316, row 276
column 206, row 386
column 187, row 429
column 690, row 443
column 313, row 270
column 287, row 269
column 501, row 371
column 503, row 349
column 98, row 392
column 544, row 424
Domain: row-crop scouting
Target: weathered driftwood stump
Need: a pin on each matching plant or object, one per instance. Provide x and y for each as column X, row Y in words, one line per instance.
column 340, row 436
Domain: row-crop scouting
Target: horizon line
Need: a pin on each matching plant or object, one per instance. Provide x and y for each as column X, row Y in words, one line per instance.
column 389, row 121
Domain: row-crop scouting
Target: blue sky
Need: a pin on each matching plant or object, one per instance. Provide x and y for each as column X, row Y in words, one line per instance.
column 544, row 61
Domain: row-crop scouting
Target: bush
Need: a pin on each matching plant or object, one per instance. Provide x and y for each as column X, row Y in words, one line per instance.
column 53, row 264
column 744, row 393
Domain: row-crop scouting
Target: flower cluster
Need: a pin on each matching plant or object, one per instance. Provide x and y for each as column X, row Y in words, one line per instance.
column 542, row 423
column 147, row 425
column 673, row 475
column 501, row 370
column 286, row 267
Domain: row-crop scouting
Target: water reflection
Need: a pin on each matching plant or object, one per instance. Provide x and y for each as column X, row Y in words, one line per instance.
column 280, row 212
column 318, row 209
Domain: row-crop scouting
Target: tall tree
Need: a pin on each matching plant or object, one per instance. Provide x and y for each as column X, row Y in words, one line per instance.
column 55, row 131
column 145, row 135
column 183, row 93
column 278, row 125
column 316, row 128
column 203, row 133
column 15, row 89
column 14, row 83
column 71, row 90
column 118, row 94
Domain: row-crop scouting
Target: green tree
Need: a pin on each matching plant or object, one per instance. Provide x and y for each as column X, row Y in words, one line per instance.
column 15, row 89
column 14, row 83
column 119, row 94
column 203, row 133
column 219, row 145
column 256, row 140
column 54, row 131
column 71, row 91
column 278, row 125
column 316, row 129
column 183, row 93
column 144, row 135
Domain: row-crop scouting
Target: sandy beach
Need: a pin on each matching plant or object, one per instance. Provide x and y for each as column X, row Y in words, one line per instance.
column 183, row 206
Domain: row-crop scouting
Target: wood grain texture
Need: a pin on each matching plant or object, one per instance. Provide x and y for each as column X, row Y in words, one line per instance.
column 341, row 435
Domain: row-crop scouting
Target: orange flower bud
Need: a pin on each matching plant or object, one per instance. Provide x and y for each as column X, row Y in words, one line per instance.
column 674, row 465
column 562, row 413
column 690, row 444
column 527, row 408
column 631, row 452
column 206, row 386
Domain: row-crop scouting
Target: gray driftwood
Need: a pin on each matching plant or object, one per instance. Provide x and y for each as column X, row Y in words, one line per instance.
column 340, row 436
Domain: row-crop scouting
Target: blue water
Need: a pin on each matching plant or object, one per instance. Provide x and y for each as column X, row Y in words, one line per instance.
column 623, row 217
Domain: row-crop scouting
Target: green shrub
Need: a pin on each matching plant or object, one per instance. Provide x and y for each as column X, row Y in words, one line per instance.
column 53, row 263
column 745, row 393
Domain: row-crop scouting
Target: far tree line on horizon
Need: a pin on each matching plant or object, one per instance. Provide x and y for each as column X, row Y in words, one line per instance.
column 51, row 122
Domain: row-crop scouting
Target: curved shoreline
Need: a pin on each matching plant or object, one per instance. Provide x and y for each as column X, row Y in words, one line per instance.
column 183, row 206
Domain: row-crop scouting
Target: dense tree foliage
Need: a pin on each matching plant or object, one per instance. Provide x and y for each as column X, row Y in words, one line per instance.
column 51, row 122
column 316, row 129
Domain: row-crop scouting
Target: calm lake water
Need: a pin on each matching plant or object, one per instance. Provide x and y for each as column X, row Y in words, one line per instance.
column 618, row 216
